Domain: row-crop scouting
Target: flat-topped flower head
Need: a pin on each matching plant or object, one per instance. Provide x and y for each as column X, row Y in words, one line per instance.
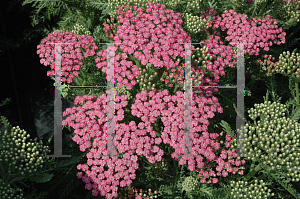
column 154, row 37
column 71, row 53
column 254, row 33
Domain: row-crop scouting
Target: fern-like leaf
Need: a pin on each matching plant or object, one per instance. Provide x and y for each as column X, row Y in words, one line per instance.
column 6, row 124
column 295, row 114
column 5, row 102
column 41, row 178
column 228, row 129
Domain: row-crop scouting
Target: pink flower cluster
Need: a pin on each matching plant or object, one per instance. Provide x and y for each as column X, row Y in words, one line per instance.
column 171, row 110
column 145, row 35
column 239, row 29
column 210, row 145
column 70, row 62
column 89, row 122
column 268, row 61
column 124, row 71
column 132, row 140
column 154, row 38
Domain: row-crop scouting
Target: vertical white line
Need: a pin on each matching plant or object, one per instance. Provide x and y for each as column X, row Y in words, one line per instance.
column 188, row 93
column 110, row 98
column 57, row 106
column 240, row 122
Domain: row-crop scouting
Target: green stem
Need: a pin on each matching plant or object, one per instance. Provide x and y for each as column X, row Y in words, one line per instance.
column 226, row 98
column 76, row 80
column 12, row 72
column 3, row 173
column 173, row 189
column 254, row 11
column 253, row 171
column 16, row 180
column 290, row 87
column 262, row 6
column 176, row 87
column 138, row 65
column 297, row 92
column 84, row 74
column 135, row 61
column 163, row 75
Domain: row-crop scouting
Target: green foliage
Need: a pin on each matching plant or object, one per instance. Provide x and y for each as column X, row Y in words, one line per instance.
column 41, row 177
column 37, row 195
column 228, row 129
column 272, row 88
column 7, row 125
column 296, row 114
column 53, row 8
column 223, row 192
column 5, row 102
column 103, row 6
column 281, row 180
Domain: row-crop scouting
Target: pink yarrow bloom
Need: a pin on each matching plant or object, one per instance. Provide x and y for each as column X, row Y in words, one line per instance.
column 255, row 34
column 162, row 35
column 71, row 53
column 133, row 140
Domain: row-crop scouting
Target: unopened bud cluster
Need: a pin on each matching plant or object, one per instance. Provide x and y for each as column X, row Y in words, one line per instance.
column 193, row 4
column 243, row 189
column 7, row 192
column 189, row 184
column 64, row 90
column 59, row 31
column 123, row 91
column 274, row 139
column 288, row 64
column 160, row 167
column 80, row 30
column 293, row 12
column 195, row 24
column 200, row 56
column 259, row 1
column 20, row 157
column 199, row 59
column 147, row 77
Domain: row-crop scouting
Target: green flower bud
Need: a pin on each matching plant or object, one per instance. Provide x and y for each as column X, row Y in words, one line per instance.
column 189, row 184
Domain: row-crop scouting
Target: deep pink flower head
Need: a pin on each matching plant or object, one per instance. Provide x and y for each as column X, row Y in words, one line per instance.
column 103, row 173
column 139, row 34
column 258, row 33
column 171, row 110
column 70, row 53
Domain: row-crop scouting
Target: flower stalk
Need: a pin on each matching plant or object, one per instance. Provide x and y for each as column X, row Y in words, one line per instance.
column 297, row 93
column 253, row 171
